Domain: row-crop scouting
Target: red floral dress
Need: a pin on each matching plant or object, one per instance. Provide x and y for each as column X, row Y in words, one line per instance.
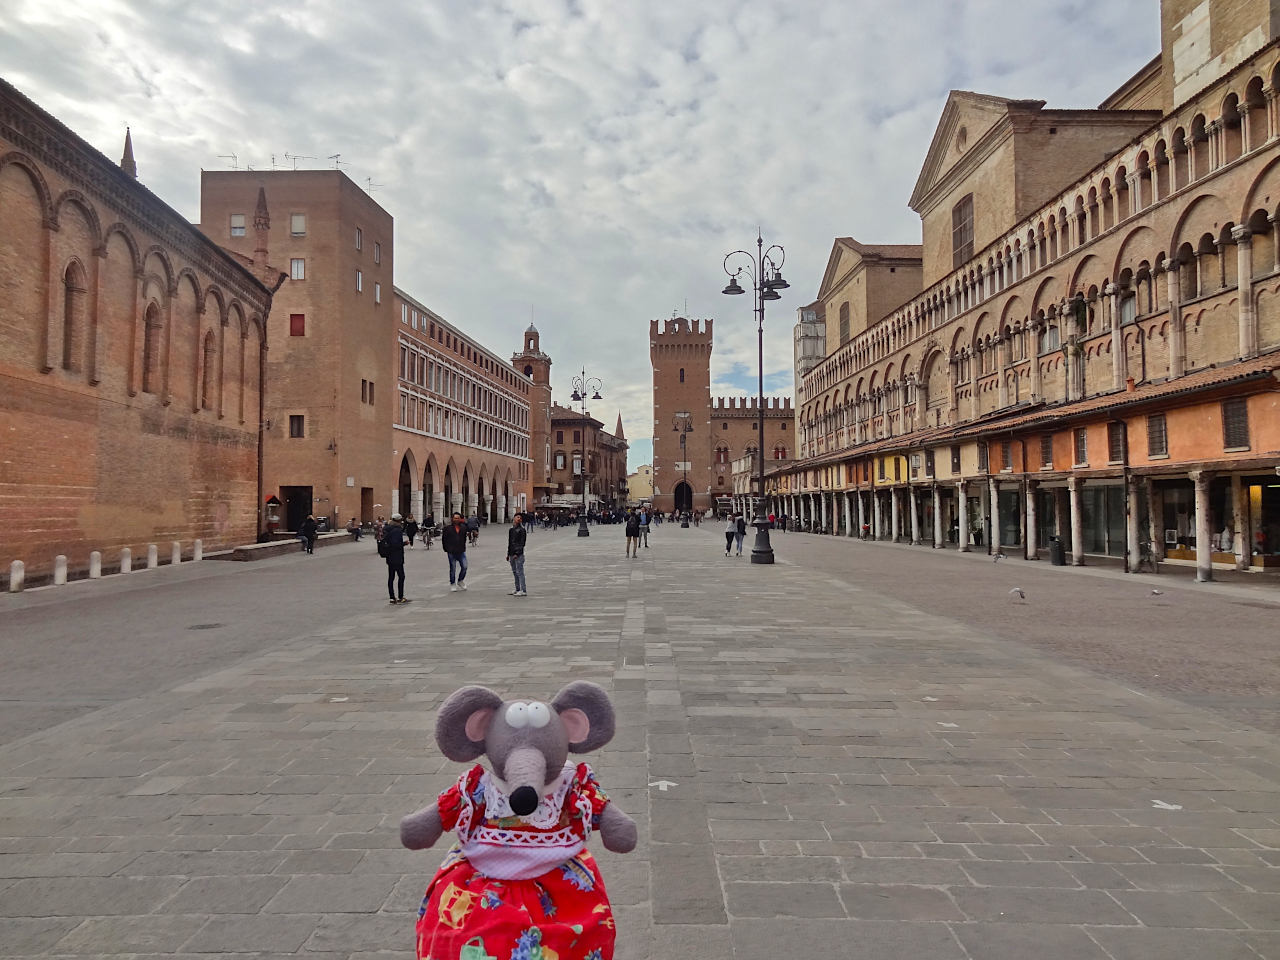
column 518, row 888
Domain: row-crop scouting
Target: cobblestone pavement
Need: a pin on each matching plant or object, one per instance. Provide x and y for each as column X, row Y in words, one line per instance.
column 867, row 752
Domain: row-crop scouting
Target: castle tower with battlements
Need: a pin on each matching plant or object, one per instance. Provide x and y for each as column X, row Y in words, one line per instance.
column 716, row 432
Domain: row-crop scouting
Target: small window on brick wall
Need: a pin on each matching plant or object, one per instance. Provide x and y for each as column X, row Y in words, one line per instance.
column 983, row 461
column 297, row 425
column 955, row 460
column 1235, row 424
column 1157, row 436
column 297, row 324
column 1006, row 455
column 1046, row 450
column 1082, row 446
column 1115, row 443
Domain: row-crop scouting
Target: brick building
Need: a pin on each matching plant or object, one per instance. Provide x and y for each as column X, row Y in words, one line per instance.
column 583, row 451
column 536, row 367
column 462, row 423
column 1093, row 350
column 330, row 400
column 131, row 351
column 695, row 439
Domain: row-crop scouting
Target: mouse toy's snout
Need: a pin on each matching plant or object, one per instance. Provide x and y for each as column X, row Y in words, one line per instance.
column 524, row 800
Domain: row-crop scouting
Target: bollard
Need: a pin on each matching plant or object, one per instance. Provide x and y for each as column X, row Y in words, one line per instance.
column 17, row 576
column 175, row 553
column 126, row 560
column 60, row 569
column 95, row 565
column 153, row 556
column 197, row 550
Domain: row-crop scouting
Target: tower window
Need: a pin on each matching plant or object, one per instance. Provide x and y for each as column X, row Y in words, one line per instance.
column 682, row 374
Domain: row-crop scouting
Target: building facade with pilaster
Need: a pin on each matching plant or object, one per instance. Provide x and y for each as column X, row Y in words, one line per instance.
column 1092, row 353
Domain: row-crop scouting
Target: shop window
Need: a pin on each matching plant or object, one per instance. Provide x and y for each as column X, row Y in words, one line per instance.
column 1235, row 424
column 1157, row 436
column 1082, row 447
column 297, row 324
column 1115, row 443
column 1046, row 451
column 297, row 425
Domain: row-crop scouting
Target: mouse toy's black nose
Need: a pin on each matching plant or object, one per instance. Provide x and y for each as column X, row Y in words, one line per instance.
column 524, row 801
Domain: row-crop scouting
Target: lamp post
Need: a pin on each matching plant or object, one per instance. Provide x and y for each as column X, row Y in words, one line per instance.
column 766, row 280
column 682, row 424
column 582, row 385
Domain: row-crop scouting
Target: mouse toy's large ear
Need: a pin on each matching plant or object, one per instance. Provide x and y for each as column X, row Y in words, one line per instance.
column 463, row 722
column 587, row 715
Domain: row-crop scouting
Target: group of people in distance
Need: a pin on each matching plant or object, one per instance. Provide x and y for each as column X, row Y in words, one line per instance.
column 455, row 536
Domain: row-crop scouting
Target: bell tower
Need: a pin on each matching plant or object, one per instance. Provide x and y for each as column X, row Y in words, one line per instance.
column 536, row 365
column 680, row 353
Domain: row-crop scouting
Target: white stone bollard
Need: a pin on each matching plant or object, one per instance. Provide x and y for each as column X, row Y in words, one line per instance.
column 60, row 569
column 175, row 553
column 17, row 576
column 95, row 565
column 126, row 560
column 153, row 556
column 197, row 550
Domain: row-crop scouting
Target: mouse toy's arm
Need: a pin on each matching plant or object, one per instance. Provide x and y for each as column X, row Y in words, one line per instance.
column 422, row 829
column 617, row 830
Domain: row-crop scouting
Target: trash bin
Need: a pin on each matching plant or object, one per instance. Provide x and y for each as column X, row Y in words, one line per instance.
column 1057, row 554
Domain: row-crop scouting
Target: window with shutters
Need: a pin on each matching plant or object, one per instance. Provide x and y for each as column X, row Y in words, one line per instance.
column 1235, row 424
column 1006, row 455
column 1082, row 447
column 1046, row 451
column 1157, row 436
column 844, row 323
column 297, row 324
column 962, row 232
column 928, row 463
column 1115, row 443
column 881, row 468
column 983, row 462
column 955, row 460
column 297, row 224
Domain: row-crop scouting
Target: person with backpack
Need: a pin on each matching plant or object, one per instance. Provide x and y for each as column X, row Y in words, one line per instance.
column 633, row 535
column 516, row 538
column 391, row 549
column 454, row 541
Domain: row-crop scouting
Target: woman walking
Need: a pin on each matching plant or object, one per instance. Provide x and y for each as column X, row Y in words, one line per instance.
column 730, row 531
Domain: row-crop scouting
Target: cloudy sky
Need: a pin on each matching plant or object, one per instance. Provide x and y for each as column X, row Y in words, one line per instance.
column 585, row 162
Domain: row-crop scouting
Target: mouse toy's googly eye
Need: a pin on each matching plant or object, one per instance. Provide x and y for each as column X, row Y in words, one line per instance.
column 518, row 715
column 539, row 715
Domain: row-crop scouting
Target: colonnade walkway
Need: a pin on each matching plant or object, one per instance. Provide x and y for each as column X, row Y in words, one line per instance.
column 855, row 752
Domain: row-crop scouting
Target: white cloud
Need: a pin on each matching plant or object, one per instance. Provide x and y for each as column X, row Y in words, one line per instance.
column 589, row 160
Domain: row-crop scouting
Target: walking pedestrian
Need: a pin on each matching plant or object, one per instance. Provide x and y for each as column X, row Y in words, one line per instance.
column 739, row 530
column 633, row 535
column 307, row 534
column 353, row 528
column 411, row 530
column 644, row 526
column 730, row 531
column 391, row 547
column 516, row 537
column 454, row 542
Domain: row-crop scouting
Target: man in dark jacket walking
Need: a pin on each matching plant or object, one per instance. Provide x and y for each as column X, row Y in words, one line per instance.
column 411, row 530
column 454, row 541
column 392, row 549
column 516, row 537
column 307, row 534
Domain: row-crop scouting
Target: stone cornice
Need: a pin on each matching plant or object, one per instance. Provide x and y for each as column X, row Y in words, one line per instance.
column 50, row 142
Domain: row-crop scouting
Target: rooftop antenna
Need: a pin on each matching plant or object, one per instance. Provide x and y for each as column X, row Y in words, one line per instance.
column 235, row 161
column 371, row 185
column 295, row 157
column 337, row 160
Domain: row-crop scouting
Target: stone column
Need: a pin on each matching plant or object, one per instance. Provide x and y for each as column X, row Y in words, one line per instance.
column 1204, row 534
column 964, row 517
column 822, row 511
column 416, row 501
column 1077, row 521
column 1271, row 114
column 485, row 501
column 848, row 513
column 1032, row 538
column 1240, row 544
column 862, row 515
column 1243, row 109
column 1133, row 551
column 502, row 509
column 1177, row 334
column 437, row 506
column 915, row 516
column 1117, row 338
column 395, row 502
column 1002, row 351
column 938, row 535
column 993, row 515
column 895, row 523
column 1244, row 284
column 876, row 514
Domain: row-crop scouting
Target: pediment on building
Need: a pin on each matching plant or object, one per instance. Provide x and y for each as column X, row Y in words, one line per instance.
column 846, row 254
column 969, row 127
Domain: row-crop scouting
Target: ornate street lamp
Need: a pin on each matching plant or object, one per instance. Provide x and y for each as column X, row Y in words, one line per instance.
column 766, row 280
column 582, row 385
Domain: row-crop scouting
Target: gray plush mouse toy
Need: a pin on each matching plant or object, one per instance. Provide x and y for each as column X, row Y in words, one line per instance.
column 519, row 884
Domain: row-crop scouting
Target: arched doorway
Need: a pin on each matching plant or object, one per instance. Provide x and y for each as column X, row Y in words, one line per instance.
column 428, row 494
column 480, row 502
column 683, row 496
column 405, row 487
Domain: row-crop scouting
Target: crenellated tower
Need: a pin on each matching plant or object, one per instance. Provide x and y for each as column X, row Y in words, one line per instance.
column 680, row 353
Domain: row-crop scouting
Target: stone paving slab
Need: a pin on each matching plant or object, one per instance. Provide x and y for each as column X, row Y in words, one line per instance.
column 847, row 773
